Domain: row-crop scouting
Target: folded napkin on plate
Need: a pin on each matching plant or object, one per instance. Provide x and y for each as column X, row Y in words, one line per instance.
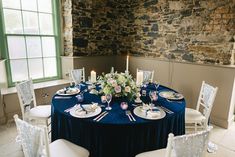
column 80, row 112
column 153, row 113
column 177, row 95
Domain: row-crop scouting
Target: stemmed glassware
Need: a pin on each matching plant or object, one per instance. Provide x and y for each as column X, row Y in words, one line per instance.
column 153, row 97
column 108, row 99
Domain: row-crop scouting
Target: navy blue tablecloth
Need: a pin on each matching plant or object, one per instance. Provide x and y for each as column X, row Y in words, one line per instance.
column 115, row 135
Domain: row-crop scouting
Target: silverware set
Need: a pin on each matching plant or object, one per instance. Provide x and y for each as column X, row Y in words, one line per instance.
column 62, row 97
column 174, row 101
column 70, row 108
column 130, row 116
column 101, row 116
column 166, row 110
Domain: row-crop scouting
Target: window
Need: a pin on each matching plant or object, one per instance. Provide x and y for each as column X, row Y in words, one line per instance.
column 31, row 39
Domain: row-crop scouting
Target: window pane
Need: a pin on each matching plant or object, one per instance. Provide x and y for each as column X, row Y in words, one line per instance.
column 44, row 6
column 48, row 44
column 13, row 21
column 33, row 47
column 15, row 4
column 19, row 70
column 30, row 22
column 46, row 24
column 29, row 5
column 50, row 68
column 35, row 68
column 16, row 47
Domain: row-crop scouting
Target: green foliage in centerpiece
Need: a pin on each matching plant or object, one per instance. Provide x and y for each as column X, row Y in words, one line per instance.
column 118, row 84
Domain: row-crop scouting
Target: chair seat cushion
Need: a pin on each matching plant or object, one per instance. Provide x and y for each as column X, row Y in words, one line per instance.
column 193, row 116
column 63, row 148
column 42, row 111
column 155, row 153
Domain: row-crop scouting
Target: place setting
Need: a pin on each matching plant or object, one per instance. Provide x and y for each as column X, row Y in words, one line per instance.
column 171, row 96
column 85, row 110
column 149, row 110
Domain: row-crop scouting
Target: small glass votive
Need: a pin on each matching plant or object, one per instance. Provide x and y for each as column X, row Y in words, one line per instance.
column 80, row 97
column 124, row 105
column 103, row 99
column 144, row 92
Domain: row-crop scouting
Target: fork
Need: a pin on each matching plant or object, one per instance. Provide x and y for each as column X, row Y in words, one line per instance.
column 70, row 108
column 129, row 112
column 167, row 110
column 128, row 115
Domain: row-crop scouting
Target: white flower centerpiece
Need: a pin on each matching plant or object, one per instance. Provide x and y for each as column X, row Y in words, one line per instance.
column 119, row 85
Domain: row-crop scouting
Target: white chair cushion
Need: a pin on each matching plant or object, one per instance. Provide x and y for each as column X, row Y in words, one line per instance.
column 42, row 111
column 193, row 116
column 63, row 148
column 155, row 153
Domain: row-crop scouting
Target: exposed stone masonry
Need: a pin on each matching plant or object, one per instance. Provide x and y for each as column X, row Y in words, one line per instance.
column 183, row 30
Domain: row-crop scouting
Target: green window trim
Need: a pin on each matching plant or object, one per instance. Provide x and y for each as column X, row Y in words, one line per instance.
column 56, row 14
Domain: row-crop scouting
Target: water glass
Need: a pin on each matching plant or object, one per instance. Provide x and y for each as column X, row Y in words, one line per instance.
column 108, row 99
column 153, row 97
column 144, row 92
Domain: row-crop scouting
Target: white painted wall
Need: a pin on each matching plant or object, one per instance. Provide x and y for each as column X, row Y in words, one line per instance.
column 187, row 78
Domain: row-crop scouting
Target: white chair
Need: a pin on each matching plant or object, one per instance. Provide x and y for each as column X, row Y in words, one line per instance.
column 34, row 141
column 196, row 119
column 78, row 75
column 148, row 75
column 30, row 111
column 192, row 145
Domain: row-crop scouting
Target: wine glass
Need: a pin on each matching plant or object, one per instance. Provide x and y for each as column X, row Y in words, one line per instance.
column 108, row 99
column 153, row 97
column 156, row 84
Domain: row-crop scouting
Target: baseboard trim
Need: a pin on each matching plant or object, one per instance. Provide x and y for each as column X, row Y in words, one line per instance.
column 2, row 120
column 224, row 123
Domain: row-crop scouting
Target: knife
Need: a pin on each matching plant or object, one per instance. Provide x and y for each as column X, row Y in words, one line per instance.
column 102, row 117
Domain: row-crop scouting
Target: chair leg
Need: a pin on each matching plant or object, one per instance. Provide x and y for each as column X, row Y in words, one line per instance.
column 48, row 125
column 195, row 127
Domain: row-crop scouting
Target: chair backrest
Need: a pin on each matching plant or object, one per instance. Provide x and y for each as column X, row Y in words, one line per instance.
column 34, row 140
column 78, row 75
column 148, row 75
column 26, row 96
column 192, row 145
column 206, row 99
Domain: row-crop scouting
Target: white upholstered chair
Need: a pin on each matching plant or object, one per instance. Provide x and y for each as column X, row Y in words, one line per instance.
column 78, row 75
column 193, row 117
column 192, row 145
column 34, row 141
column 30, row 110
column 148, row 75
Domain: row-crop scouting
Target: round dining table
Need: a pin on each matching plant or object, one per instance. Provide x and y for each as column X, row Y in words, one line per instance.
column 115, row 135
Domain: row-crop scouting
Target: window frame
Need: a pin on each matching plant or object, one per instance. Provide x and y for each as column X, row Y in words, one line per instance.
column 56, row 15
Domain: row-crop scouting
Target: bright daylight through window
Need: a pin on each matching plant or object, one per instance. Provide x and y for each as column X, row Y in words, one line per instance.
column 30, row 36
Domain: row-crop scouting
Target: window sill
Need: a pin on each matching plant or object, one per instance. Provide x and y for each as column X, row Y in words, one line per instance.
column 12, row 90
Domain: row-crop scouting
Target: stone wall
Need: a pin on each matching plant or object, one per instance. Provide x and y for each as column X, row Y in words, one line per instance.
column 95, row 28
column 183, row 30
column 67, row 26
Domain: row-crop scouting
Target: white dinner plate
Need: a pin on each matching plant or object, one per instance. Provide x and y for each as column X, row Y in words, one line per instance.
column 70, row 91
column 75, row 112
column 171, row 95
column 88, row 82
column 139, row 112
